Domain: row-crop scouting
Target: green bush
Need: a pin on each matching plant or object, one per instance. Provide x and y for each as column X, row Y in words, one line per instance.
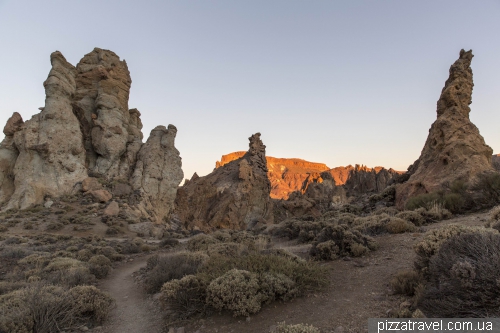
column 487, row 189
column 398, row 226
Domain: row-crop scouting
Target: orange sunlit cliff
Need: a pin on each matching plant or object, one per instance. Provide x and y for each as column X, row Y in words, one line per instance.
column 288, row 175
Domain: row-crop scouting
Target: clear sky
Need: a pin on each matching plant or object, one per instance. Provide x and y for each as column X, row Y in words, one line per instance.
column 338, row 82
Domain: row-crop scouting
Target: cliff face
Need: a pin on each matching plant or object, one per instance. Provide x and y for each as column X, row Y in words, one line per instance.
column 288, row 175
column 454, row 148
column 362, row 179
column 235, row 195
column 86, row 128
column 50, row 154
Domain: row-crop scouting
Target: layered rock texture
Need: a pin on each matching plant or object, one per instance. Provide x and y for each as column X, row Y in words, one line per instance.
column 454, row 148
column 288, row 175
column 235, row 195
column 86, row 129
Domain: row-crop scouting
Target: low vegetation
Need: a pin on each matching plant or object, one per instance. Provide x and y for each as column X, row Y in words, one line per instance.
column 236, row 272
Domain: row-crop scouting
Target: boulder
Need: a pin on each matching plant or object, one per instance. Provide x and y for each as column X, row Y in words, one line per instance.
column 8, row 157
column 91, row 184
column 100, row 195
column 112, row 209
column 454, row 150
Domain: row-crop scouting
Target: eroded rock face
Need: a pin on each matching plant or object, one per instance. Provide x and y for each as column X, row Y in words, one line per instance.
column 111, row 132
column 369, row 180
column 235, row 195
column 87, row 129
column 454, row 148
column 8, row 157
column 158, row 173
column 51, row 154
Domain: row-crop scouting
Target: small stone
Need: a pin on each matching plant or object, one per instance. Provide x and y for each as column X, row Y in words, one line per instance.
column 101, row 195
column 112, row 210
column 248, row 319
column 48, row 203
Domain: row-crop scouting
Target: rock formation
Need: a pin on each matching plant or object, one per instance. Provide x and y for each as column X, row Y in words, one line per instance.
column 454, row 148
column 235, row 195
column 111, row 132
column 496, row 161
column 86, row 129
column 51, row 154
column 158, row 173
column 362, row 179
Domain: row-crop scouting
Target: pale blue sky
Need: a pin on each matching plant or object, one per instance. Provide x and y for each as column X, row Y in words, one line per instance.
column 338, row 82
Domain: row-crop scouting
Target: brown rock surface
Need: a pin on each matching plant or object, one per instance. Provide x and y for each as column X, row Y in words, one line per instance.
column 454, row 148
column 111, row 131
column 158, row 173
column 91, row 184
column 112, row 209
column 362, row 179
column 100, row 195
column 8, row 157
column 235, row 195
column 51, row 154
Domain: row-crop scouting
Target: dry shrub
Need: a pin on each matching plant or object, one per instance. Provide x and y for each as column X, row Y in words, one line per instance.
column 90, row 303
column 3, row 228
column 168, row 243
column 54, row 226
column 463, row 278
column 299, row 328
column 185, row 297
column 100, row 266
column 348, row 240
column 276, row 287
column 236, row 291
column 84, row 255
column 227, row 249
column 391, row 211
column 433, row 239
column 405, row 282
column 494, row 221
column 397, row 226
column 9, row 286
column 46, row 309
column 223, row 236
column 201, row 242
column 412, row 216
column 326, row 251
column 165, row 268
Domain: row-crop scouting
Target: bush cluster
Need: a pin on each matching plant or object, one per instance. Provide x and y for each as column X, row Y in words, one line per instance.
column 299, row 328
column 238, row 282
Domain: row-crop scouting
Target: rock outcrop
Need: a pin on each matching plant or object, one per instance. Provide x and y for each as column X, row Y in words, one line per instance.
column 158, row 173
column 111, row 132
column 235, row 195
column 86, row 129
column 51, row 154
column 454, row 148
column 362, row 179
column 496, row 161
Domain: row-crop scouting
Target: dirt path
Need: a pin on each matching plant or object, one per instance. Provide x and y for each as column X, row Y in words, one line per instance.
column 134, row 312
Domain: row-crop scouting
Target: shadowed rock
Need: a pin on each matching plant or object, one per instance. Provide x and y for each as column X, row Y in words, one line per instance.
column 235, row 195
column 454, row 148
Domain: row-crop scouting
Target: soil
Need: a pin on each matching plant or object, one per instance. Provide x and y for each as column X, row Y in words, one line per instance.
column 359, row 290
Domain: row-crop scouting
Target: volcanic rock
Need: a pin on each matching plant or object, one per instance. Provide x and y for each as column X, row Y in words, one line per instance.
column 112, row 209
column 454, row 149
column 8, row 157
column 111, row 132
column 235, row 195
column 51, row 154
column 91, row 184
column 367, row 180
column 158, row 173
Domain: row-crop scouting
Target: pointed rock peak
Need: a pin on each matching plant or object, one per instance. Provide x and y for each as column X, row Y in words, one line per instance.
column 256, row 147
column 456, row 95
column 13, row 125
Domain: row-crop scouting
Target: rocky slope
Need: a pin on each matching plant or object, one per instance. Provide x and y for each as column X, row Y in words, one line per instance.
column 454, row 148
column 86, row 129
column 235, row 195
